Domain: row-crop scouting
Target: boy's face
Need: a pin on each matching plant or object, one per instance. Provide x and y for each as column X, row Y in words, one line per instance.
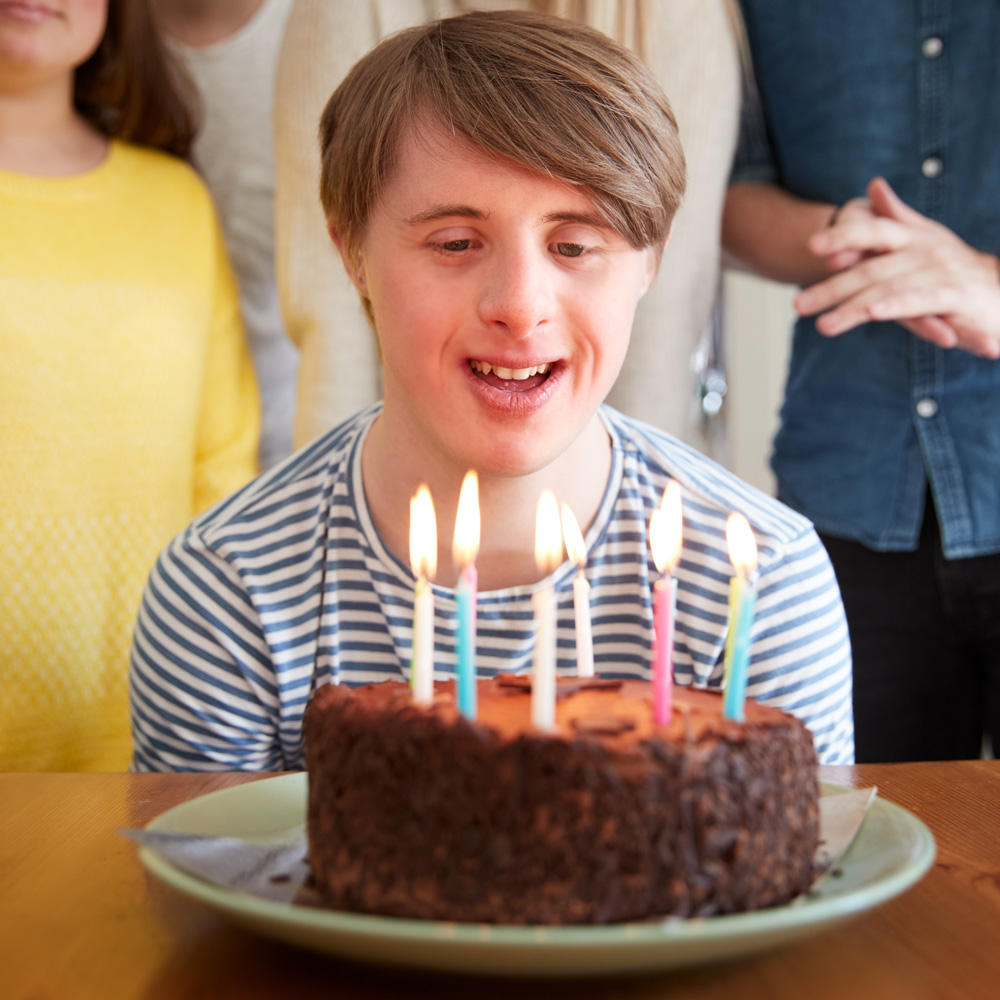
column 481, row 271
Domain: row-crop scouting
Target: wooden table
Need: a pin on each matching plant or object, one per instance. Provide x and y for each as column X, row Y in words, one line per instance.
column 80, row 918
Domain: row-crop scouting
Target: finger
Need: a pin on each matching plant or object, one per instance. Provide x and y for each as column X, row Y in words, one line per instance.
column 912, row 302
column 852, row 211
column 874, row 235
column 886, row 202
column 854, row 297
column 982, row 345
column 845, row 317
column 933, row 329
column 843, row 259
column 946, row 331
column 863, row 278
column 852, row 315
column 972, row 330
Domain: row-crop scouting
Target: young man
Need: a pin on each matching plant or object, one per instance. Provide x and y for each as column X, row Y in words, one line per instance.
column 500, row 187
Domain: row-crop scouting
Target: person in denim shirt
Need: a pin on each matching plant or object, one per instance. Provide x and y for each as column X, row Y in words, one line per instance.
column 868, row 173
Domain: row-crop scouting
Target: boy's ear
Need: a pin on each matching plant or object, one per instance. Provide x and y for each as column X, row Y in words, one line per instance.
column 353, row 265
column 653, row 263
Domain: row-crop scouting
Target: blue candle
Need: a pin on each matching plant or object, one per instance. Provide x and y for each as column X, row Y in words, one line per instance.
column 742, row 601
column 465, row 548
column 738, row 652
column 465, row 597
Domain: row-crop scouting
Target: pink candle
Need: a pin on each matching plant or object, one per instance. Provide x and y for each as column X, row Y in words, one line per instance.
column 665, row 537
column 664, row 610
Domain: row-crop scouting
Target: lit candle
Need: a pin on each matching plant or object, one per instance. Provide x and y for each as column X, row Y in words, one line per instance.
column 465, row 548
column 742, row 599
column 423, row 560
column 577, row 551
column 548, row 556
column 666, row 529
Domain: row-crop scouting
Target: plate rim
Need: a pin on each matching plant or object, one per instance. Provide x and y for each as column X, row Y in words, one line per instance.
column 801, row 913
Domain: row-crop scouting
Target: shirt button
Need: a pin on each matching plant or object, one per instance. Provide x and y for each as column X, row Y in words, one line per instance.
column 931, row 167
column 932, row 47
column 927, row 408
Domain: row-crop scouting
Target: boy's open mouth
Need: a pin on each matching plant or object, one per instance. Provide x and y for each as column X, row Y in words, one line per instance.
column 511, row 379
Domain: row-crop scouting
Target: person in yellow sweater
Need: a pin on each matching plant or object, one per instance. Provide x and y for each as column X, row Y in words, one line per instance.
column 127, row 396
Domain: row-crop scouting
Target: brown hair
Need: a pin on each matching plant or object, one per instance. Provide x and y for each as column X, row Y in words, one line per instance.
column 130, row 88
column 558, row 97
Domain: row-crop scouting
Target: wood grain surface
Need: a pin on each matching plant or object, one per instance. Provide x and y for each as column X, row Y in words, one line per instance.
column 80, row 918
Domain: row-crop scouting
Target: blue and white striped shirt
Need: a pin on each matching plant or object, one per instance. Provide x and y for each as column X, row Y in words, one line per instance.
column 286, row 585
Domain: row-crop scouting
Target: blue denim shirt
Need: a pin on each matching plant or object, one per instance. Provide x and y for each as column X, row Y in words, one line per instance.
column 910, row 90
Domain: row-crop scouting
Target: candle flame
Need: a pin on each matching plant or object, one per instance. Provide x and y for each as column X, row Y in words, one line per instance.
column 423, row 535
column 666, row 529
column 465, row 545
column 575, row 546
column 548, row 536
column 742, row 547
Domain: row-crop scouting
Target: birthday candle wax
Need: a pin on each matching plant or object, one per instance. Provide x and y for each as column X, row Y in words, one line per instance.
column 665, row 539
column 464, row 549
column 423, row 560
column 742, row 602
column 577, row 550
column 548, row 555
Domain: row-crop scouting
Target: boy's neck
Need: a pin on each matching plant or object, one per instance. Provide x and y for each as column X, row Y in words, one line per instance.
column 41, row 133
column 508, row 504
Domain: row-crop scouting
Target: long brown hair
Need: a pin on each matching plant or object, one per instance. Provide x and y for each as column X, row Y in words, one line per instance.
column 131, row 89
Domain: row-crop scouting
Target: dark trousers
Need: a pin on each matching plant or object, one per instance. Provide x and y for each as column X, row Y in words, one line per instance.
column 925, row 638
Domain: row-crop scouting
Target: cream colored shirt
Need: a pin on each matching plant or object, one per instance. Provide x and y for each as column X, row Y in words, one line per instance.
column 234, row 152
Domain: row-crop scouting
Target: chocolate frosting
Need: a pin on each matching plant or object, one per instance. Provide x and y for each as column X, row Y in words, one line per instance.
column 417, row 812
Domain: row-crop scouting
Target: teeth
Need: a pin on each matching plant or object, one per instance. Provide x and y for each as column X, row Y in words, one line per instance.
column 515, row 374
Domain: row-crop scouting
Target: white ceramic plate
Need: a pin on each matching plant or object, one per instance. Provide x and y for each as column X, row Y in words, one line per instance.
column 892, row 851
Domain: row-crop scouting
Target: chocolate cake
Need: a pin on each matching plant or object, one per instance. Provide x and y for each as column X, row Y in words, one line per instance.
column 417, row 812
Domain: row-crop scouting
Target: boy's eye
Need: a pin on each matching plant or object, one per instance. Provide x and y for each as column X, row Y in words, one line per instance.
column 456, row 246
column 570, row 249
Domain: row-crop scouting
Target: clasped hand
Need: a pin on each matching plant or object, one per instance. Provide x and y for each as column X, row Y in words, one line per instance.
column 893, row 263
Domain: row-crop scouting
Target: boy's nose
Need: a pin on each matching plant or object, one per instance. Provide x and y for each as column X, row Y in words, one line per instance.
column 516, row 294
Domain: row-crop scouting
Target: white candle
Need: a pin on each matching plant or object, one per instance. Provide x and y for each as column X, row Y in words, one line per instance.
column 423, row 561
column 543, row 671
column 423, row 643
column 577, row 550
column 548, row 555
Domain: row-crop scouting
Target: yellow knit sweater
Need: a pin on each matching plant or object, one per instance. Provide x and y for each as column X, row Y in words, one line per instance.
column 127, row 405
